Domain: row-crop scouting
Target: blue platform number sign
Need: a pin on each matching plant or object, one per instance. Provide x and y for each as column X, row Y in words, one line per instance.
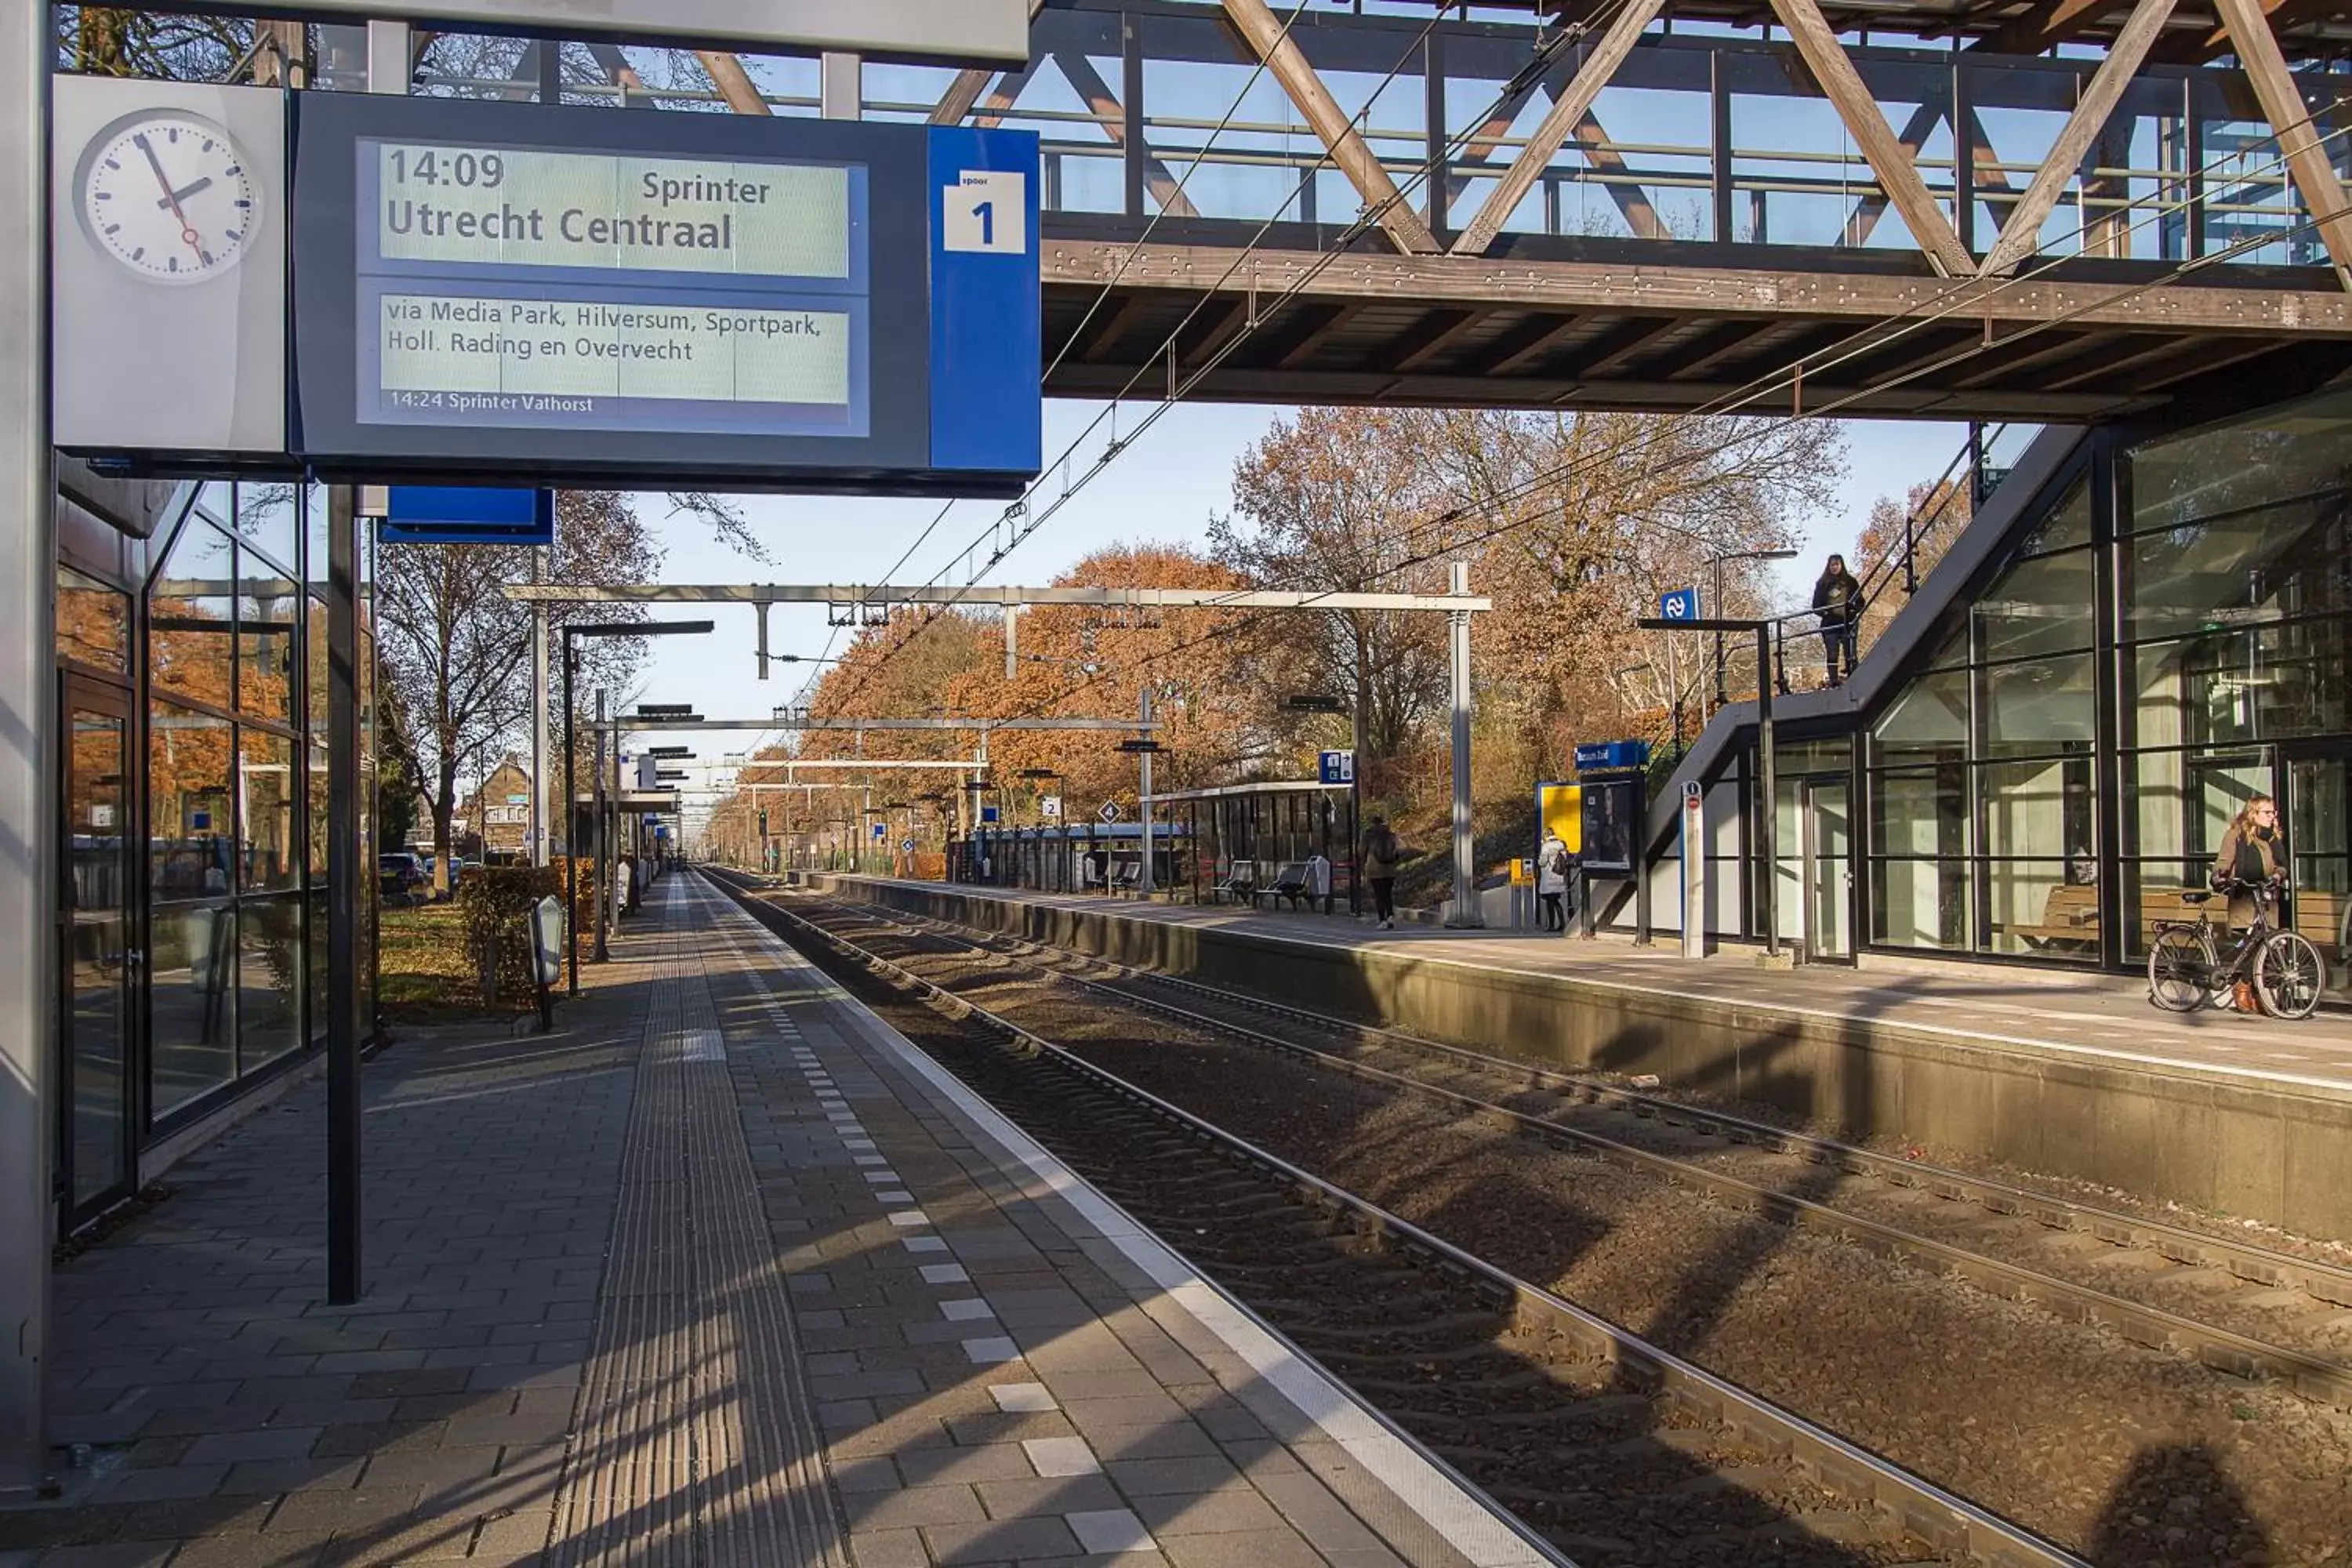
column 1335, row 767
column 881, row 830
column 1682, row 605
column 987, row 813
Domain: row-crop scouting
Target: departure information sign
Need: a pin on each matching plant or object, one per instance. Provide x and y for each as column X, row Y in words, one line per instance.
column 806, row 304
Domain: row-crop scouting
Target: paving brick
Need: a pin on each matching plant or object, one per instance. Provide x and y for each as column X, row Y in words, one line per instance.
column 999, row 1541
column 1228, row 1511
column 910, row 1507
column 269, row 1443
column 888, row 1549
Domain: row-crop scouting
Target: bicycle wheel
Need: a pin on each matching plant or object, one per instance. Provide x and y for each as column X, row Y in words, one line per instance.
column 2179, row 970
column 2289, row 975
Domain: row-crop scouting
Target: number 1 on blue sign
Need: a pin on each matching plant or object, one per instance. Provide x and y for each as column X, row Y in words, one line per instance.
column 986, row 213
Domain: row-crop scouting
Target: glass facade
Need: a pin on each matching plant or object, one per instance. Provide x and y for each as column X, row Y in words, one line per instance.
column 220, row 666
column 2171, row 637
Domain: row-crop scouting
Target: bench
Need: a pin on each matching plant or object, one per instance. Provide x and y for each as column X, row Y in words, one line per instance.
column 1290, row 882
column 2070, row 916
column 1126, row 875
column 1240, row 882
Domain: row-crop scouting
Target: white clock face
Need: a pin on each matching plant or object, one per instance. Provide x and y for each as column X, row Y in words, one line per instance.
column 168, row 194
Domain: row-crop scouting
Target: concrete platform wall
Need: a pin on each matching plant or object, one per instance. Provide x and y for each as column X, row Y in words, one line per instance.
column 2246, row 1147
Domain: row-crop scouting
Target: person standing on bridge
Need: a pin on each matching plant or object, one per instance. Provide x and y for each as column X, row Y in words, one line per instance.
column 1838, row 597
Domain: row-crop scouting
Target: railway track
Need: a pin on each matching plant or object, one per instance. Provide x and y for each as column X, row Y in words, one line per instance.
column 2305, row 1298
column 1610, row 1449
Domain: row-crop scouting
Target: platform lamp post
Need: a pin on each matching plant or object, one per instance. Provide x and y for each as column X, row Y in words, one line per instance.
column 1767, row 782
column 571, row 803
column 1324, row 702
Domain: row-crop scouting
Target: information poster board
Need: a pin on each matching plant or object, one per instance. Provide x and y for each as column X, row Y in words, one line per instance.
column 779, row 302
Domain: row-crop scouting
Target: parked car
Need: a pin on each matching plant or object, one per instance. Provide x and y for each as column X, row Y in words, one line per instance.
column 399, row 875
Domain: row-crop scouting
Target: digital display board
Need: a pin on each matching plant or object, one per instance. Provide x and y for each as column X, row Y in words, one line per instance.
column 796, row 304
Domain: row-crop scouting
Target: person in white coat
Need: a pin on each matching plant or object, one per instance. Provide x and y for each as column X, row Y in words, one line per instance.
column 1551, row 881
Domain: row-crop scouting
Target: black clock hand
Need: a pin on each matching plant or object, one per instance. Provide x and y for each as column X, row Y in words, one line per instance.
column 187, row 230
column 184, row 192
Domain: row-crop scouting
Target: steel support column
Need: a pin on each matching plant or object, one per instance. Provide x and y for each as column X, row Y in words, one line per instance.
column 540, row 832
column 349, row 887
column 1466, row 915
column 596, row 771
column 1143, row 712
column 30, row 889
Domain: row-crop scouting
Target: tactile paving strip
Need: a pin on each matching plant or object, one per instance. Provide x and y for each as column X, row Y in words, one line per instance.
column 695, row 1440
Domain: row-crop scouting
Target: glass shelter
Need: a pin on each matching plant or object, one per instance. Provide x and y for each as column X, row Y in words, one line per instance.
column 2063, row 724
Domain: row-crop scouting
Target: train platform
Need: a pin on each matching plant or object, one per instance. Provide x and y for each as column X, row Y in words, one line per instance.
column 2073, row 1075
column 724, row 1271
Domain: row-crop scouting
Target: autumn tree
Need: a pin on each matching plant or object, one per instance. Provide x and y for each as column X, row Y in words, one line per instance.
column 1343, row 499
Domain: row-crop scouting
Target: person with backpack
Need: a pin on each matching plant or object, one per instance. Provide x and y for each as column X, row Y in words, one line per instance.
column 1551, row 881
column 1838, row 597
column 1384, row 853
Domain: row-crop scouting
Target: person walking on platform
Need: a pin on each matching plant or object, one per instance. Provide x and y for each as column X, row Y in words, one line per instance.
column 2247, row 868
column 1838, row 597
column 1551, row 881
column 1384, row 853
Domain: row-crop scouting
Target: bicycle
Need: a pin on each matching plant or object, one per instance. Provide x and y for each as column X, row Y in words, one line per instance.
column 2187, row 969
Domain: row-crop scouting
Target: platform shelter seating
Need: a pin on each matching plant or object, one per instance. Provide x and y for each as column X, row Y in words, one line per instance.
column 2069, row 917
column 1239, row 883
column 1290, row 882
column 1126, row 875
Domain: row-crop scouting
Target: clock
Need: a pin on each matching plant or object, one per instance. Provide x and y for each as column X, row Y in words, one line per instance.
column 169, row 196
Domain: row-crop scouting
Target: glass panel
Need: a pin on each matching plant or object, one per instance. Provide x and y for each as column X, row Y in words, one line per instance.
column 2271, row 683
column 315, row 952
column 264, row 811
column 1931, row 717
column 99, row 1020
column 1813, row 757
column 316, row 778
column 268, row 630
column 2291, row 450
column 2064, row 527
column 268, row 1010
column 191, row 1020
column 1953, row 650
column 189, row 817
column 1920, row 811
column 265, row 516
column 2152, row 890
column 314, row 669
column 2042, row 605
column 2319, row 843
column 2238, row 570
column 189, row 616
column 1920, row 903
column 2044, row 810
column 2037, row 910
column 2179, row 804
column 314, row 542
column 1830, row 823
column 93, row 622
column 2043, row 705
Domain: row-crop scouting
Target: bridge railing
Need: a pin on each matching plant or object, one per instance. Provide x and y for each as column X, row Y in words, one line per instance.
column 1129, row 114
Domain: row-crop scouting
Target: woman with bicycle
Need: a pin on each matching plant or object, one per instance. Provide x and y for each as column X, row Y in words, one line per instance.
column 2246, row 867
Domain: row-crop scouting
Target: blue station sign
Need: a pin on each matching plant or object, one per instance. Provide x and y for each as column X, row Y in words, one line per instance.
column 1613, row 756
column 443, row 514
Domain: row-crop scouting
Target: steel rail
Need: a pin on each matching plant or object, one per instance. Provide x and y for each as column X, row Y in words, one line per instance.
column 2224, row 1349
column 1945, row 1521
column 2323, row 1282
